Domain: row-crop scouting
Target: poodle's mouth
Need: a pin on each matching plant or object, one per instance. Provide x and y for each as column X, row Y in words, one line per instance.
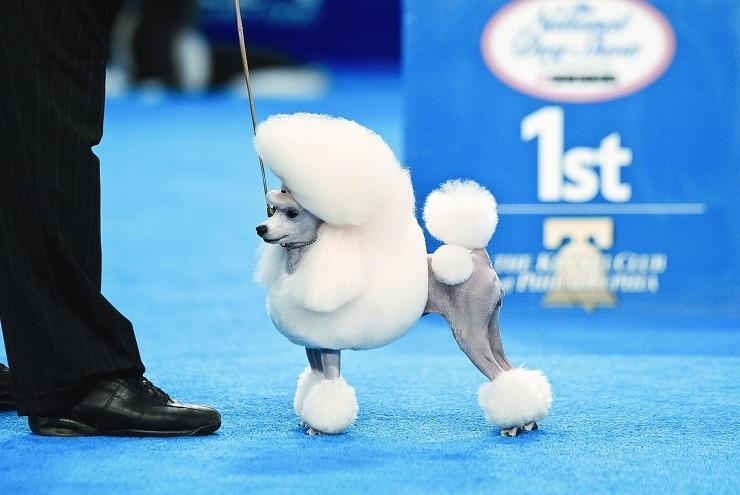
column 274, row 241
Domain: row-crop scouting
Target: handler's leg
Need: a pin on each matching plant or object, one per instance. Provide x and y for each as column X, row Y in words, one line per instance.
column 59, row 330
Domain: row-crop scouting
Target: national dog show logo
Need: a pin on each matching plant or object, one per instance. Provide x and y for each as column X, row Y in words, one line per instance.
column 578, row 50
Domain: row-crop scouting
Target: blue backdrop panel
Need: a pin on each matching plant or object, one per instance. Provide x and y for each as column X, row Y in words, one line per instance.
column 607, row 130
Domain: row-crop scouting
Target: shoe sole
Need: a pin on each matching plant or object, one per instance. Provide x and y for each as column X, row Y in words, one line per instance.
column 64, row 427
column 7, row 405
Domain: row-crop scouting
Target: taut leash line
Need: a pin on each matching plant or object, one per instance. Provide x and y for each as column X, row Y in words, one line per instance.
column 245, row 64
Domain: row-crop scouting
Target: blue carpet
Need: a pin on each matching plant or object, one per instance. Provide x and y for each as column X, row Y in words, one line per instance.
column 640, row 406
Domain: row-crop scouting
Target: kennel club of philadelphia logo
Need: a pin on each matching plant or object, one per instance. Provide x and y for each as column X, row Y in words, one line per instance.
column 578, row 51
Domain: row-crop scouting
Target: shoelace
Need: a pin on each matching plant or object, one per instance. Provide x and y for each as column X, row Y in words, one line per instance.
column 153, row 391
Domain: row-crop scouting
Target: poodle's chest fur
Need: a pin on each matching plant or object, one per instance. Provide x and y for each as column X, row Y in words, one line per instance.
column 385, row 285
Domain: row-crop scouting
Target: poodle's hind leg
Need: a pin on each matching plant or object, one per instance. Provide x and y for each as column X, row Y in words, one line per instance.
column 311, row 376
column 494, row 341
column 331, row 406
column 516, row 398
column 497, row 349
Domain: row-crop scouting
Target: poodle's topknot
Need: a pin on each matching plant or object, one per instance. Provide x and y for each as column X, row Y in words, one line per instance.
column 339, row 170
column 461, row 213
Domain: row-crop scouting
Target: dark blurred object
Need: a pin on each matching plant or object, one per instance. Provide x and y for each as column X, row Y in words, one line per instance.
column 161, row 23
column 312, row 30
column 192, row 45
column 158, row 42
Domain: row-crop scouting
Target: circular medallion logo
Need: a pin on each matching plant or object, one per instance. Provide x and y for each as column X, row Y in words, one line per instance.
column 578, row 50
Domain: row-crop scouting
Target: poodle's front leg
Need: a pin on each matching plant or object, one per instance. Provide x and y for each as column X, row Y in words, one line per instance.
column 331, row 361
column 330, row 364
column 314, row 359
column 331, row 406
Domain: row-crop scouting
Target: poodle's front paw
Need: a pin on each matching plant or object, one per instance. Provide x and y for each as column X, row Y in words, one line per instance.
column 330, row 407
column 516, row 430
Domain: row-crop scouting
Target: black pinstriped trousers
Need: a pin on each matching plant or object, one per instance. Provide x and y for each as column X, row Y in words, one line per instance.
column 59, row 330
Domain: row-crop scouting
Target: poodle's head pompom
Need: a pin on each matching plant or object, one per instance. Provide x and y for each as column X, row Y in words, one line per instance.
column 461, row 213
column 339, row 170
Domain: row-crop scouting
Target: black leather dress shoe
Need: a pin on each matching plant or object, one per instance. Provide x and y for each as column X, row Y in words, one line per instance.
column 7, row 403
column 129, row 406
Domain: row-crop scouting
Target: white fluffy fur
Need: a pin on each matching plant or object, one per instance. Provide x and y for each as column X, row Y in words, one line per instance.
column 330, row 406
column 452, row 265
column 337, row 169
column 306, row 381
column 461, row 213
column 364, row 282
column 341, row 278
column 515, row 398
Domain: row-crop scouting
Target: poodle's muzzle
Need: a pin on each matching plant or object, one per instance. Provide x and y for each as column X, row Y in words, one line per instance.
column 290, row 225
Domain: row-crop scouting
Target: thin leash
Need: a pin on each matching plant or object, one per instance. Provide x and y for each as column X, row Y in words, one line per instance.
column 252, row 112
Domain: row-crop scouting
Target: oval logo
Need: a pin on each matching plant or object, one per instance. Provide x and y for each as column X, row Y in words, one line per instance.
column 578, row 50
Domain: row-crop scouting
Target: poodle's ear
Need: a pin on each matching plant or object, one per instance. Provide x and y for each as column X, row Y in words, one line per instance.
column 270, row 265
column 332, row 272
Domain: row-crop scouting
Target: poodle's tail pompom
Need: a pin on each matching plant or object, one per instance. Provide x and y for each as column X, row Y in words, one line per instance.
column 330, row 406
column 515, row 398
column 461, row 213
column 452, row 265
column 306, row 382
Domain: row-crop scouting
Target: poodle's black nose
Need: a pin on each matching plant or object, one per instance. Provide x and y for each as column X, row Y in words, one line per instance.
column 261, row 230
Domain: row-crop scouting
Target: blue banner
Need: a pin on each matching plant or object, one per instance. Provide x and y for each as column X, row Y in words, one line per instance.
column 608, row 132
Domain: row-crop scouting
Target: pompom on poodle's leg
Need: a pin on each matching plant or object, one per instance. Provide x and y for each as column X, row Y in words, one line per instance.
column 515, row 400
column 311, row 376
column 330, row 406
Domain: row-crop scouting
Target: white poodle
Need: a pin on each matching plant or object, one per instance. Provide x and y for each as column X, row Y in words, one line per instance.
column 345, row 266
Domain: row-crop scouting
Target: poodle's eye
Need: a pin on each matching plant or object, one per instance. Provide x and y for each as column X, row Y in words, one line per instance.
column 291, row 212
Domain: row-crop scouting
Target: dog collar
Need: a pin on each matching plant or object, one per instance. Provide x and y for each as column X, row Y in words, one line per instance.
column 298, row 245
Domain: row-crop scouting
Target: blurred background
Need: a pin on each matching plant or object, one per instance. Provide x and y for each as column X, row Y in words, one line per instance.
column 607, row 132
column 191, row 45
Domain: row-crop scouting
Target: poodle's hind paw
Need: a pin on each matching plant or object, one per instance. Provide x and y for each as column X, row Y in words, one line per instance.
column 302, row 424
column 313, row 432
column 518, row 397
column 530, row 426
column 516, row 430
